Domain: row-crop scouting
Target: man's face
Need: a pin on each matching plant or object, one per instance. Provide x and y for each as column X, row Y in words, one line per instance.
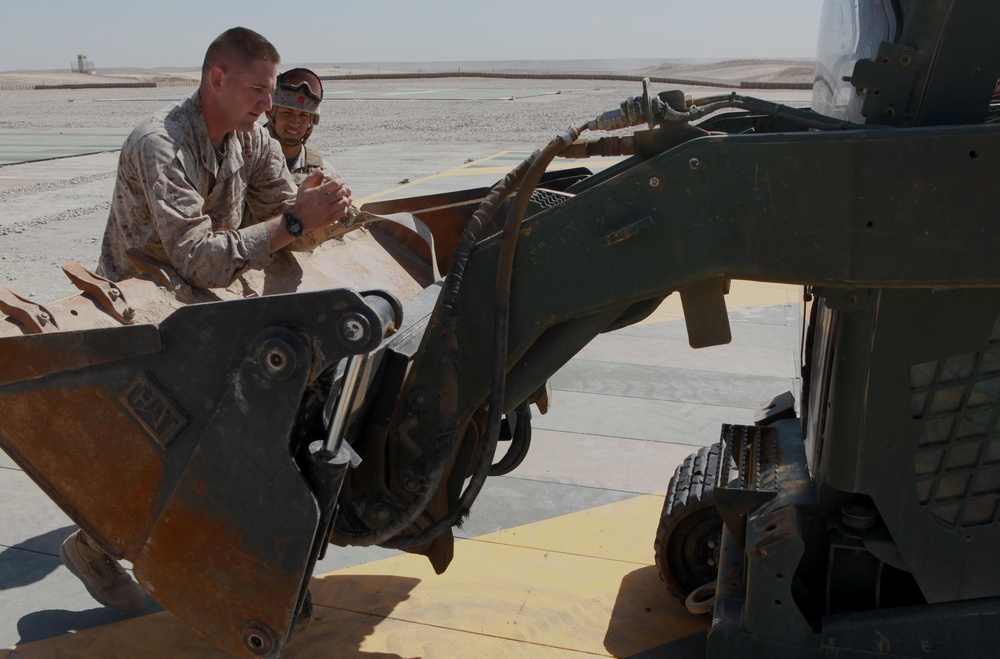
column 246, row 93
column 291, row 124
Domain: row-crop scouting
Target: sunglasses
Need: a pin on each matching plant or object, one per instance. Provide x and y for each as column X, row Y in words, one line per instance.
column 301, row 81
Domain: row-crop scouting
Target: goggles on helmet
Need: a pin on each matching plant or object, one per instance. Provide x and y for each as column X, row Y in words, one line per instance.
column 299, row 89
column 302, row 80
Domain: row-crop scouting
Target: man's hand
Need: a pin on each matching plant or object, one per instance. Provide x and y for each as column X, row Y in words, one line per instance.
column 322, row 200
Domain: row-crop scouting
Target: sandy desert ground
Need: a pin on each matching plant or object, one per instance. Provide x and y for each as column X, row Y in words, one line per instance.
column 377, row 144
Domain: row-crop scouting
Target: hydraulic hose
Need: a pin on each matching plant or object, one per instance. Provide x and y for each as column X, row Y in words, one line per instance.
column 438, row 462
column 523, row 179
column 537, row 165
column 800, row 116
column 505, row 266
column 652, row 110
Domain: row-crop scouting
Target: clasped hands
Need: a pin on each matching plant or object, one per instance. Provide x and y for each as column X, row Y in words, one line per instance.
column 322, row 200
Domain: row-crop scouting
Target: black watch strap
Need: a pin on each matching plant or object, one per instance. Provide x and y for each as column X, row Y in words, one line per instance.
column 293, row 224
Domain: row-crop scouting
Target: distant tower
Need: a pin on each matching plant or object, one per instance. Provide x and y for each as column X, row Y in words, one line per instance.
column 82, row 65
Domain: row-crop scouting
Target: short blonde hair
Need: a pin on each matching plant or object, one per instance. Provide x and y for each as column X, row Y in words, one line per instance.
column 236, row 48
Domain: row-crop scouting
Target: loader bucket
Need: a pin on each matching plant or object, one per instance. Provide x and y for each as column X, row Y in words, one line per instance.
column 446, row 214
column 168, row 422
column 171, row 423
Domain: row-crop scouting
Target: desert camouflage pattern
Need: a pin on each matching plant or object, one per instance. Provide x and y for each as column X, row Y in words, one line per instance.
column 181, row 202
column 308, row 160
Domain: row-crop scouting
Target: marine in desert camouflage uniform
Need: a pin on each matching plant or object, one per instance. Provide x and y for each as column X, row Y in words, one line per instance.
column 294, row 113
column 204, row 188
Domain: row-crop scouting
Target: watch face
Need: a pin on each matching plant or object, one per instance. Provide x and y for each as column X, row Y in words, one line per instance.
column 293, row 224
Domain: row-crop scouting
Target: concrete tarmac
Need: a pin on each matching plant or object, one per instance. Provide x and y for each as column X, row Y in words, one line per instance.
column 556, row 559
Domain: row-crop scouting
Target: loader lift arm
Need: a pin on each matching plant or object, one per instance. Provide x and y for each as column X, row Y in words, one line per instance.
column 804, row 208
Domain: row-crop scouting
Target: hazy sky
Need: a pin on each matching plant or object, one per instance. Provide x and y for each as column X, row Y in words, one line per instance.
column 48, row 34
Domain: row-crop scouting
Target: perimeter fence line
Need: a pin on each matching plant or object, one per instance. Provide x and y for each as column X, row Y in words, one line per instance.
column 704, row 82
column 725, row 84
column 101, row 85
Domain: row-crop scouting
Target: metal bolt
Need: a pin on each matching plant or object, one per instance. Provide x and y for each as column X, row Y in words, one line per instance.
column 382, row 514
column 711, row 544
column 694, row 163
column 258, row 638
column 42, row 316
column 411, row 485
column 128, row 314
column 276, row 359
column 905, row 59
column 889, row 112
column 114, row 293
column 654, row 182
column 851, row 298
column 417, row 403
column 354, row 328
column 711, row 562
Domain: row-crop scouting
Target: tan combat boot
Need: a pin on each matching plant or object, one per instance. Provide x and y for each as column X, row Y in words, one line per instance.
column 106, row 580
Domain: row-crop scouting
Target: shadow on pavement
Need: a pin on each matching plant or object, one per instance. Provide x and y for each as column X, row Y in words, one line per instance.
column 32, row 560
column 648, row 622
column 56, row 622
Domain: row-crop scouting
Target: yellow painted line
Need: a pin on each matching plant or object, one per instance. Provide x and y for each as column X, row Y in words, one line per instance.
column 621, row 531
column 444, row 174
column 475, row 168
column 582, row 584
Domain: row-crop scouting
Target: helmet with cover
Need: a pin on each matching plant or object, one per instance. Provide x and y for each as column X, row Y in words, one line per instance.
column 297, row 89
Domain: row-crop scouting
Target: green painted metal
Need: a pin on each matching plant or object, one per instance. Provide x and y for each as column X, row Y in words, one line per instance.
column 891, row 229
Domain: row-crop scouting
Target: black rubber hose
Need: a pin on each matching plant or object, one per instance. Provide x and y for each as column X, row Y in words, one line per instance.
column 505, row 265
column 520, row 441
column 802, row 117
column 438, row 462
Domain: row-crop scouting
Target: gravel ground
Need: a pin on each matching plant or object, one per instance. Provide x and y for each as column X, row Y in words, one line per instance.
column 59, row 216
column 354, row 123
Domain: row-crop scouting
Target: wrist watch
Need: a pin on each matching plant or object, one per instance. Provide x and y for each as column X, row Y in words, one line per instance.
column 293, row 224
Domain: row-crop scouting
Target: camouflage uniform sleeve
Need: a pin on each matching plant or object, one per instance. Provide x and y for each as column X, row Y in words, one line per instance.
column 206, row 255
column 270, row 188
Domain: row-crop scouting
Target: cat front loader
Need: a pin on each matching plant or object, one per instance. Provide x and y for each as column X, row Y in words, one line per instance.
column 226, row 447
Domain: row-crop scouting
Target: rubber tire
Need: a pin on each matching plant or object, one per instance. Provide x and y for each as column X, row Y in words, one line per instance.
column 688, row 521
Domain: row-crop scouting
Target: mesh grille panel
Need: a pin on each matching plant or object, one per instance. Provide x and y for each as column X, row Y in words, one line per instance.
column 957, row 462
column 547, row 198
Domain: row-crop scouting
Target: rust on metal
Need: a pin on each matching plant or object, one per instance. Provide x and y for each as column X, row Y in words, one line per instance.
column 33, row 317
column 90, row 459
column 103, row 291
column 160, row 272
column 28, row 357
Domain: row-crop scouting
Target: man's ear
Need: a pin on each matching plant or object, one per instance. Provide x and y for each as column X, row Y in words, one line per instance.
column 216, row 76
